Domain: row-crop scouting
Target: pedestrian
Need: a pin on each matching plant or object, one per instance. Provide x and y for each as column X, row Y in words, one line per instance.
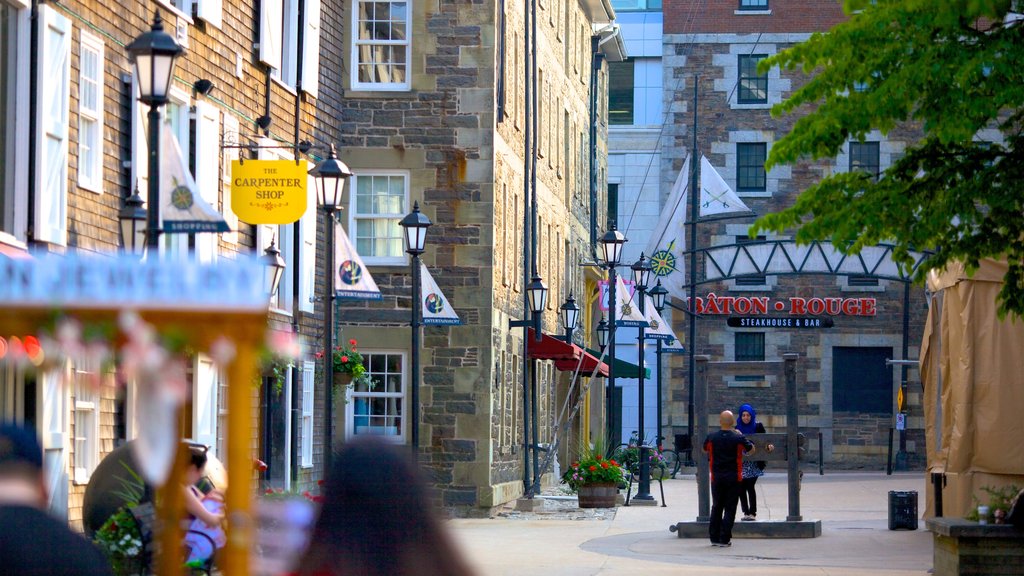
column 377, row 519
column 33, row 543
column 752, row 470
column 725, row 449
column 205, row 535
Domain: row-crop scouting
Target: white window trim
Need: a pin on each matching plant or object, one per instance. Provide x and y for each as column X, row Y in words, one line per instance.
column 307, row 422
column 185, row 12
column 89, row 405
column 354, row 215
column 209, row 397
column 92, row 43
column 351, row 396
column 382, row 86
column 284, row 235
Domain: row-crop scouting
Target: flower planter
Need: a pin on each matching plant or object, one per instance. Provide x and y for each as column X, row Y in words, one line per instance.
column 598, row 495
column 342, row 379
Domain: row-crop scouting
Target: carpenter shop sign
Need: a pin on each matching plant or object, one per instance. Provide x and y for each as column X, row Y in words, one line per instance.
column 779, row 322
column 268, row 191
column 762, row 305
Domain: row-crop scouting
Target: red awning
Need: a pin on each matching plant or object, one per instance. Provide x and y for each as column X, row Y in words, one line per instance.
column 566, row 355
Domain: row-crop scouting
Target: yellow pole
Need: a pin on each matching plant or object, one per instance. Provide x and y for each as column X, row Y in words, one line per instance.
column 170, row 502
column 240, row 521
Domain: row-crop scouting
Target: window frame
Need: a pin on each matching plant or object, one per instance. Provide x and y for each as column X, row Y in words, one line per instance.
column 355, row 216
column 754, row 341
column 759, row 79
column 359, row 85
column 86, row 415
column 402, row 411
column 856, row 157
column 761, row 175
column 753, row 5
column 90, row 174
column 614, row 112
column 307, row 423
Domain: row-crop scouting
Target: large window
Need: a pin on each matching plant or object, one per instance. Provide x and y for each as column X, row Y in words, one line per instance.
column 750, row 346
column 87, row 408
column 620, row 93
column 753, row 87
column 864, row 157
column 90, row 113
column 750, row 175
column 378, row 205
column 379, row 409
column 381, row 45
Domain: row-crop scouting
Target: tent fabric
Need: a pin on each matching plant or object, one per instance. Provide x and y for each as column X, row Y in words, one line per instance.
column 972, row 368
column 567, row 356
column 623, row 369
column 586, row 365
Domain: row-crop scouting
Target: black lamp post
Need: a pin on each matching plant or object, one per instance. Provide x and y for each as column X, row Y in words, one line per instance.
column 274, row 268
column 329, row 176
column 602, row 333
column 641, row 276
column 611, row 244
column 537, row 294
column 570, row 316
column 152, row 56
column 132, row 219
column 658, row 294
column 415, row 224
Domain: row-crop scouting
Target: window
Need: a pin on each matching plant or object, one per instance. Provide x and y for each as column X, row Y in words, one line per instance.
column 379, row 203
column 753, row 87
column 90, row 113
column 221, row 447
column 306, row 440
column 759, row 280
column 205, row 406
column 14, row 50
column 613, row 202
column 381, row 45
column 750, row 175
column 87, row 407
column 861, row 280
column 279, row 40
column 283, row 237
column 753, row 4
column 749, row 346
column 620, row 93
column 378, row 409
column 864, row 157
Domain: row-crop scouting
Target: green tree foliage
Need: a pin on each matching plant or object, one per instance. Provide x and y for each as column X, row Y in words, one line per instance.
column 948, row 67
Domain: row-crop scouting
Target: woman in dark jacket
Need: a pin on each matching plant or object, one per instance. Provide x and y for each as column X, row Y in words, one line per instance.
column 747, row 424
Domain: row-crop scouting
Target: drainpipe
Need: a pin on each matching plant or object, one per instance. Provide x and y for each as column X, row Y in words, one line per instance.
column 595, row 68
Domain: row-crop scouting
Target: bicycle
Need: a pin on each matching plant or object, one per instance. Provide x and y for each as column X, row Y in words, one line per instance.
column 671, row 458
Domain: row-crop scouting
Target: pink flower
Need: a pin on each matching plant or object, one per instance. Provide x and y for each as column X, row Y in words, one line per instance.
column 352, row 342
column 344, row 358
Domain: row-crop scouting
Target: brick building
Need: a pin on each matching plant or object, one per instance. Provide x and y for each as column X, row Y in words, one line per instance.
column 847, row 392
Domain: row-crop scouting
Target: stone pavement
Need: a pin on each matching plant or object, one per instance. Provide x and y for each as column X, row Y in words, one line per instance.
column 559, row 539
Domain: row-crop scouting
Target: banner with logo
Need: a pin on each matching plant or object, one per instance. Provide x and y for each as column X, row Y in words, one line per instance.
column 659, row 329
column 352, row 280
column 268, row 191
column 627, row 312
column 437, row 310
column 182, row 208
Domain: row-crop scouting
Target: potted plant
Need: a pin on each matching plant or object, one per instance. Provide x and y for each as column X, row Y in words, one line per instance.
column 347, row 364
column 594, row 478
column 121, row 540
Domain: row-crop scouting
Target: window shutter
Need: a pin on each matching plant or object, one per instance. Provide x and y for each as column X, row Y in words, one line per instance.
column 54, row 81
column 271, row 17
column 230, row 154
column 307, row 231
column 310, row 77
column 207, row 171
column 210, row 11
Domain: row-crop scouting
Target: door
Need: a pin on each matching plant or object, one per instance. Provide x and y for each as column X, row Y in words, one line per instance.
column 861, row 381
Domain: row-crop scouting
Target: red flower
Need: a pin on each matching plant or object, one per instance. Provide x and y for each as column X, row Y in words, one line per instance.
column 614, row 463
column 268, row 491
column 352, row 342
column 344, row 358
column 319, row 355
column 319, row 482
column 593, row 468
column 604, row 465
column 599, row 457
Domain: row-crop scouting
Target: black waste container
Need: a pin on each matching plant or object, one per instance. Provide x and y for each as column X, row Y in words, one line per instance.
column 684, row 448
column 902, row 509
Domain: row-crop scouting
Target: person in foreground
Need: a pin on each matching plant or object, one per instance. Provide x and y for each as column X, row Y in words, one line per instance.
column 377, row 519
column 725, row 449
column 748, row 425
column 32, row 543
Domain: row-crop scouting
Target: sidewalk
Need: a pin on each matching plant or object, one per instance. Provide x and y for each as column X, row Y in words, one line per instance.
column 852, row 507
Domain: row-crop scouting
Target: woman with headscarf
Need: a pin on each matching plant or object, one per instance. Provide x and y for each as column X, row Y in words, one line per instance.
column 747, row 424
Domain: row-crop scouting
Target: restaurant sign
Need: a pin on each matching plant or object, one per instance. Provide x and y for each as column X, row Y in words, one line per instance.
column 268, row 191
column 762, row 305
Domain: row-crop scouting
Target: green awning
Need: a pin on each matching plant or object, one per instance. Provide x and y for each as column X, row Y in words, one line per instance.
column 622, row 368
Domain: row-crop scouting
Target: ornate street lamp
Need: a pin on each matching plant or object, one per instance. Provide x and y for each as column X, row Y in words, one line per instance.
column 132, row 219
column 658, row 294
column 611, row 245
column 152, row 56
column 329, row 177
column 641, row 276
column 415, row 225
column 275, row 266
column 602, row 334
column 570, row 316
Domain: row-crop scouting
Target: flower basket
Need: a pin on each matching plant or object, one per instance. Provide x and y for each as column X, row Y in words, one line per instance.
column 598, row 495
column 342, row 379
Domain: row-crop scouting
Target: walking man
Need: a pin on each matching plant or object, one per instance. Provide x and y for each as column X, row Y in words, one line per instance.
column 725, row 449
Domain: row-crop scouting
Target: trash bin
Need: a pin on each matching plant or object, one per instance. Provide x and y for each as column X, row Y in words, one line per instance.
column 902, row 509
column 684, row 448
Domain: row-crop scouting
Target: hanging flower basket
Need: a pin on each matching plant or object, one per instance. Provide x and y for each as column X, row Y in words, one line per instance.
column 598, row 495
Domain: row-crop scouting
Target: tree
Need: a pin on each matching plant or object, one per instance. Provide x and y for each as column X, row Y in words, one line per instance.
column 951, row 68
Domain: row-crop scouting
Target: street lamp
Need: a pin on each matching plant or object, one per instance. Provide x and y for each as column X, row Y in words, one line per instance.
column 641, row 276
column 602, row 333
column 329, row 177
column 611, row 245
column 152, row 56
column 658, row 294
column 132, row 219
column 570, row 315
column 274, row 268
column 537, row 293
column 415, row 224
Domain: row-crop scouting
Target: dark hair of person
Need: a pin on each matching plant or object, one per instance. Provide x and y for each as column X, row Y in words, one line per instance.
column 197, row 455
column 377, row 519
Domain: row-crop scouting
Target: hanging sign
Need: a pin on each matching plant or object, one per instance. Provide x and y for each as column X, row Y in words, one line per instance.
column 437, row 310
column 268, row 191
